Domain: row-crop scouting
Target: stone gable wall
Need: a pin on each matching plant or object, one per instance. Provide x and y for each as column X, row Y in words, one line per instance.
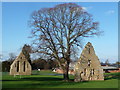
column 88, row 66
column 20, row 66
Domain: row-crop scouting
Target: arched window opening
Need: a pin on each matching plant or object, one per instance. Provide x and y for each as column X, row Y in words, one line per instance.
column 89, row 50
column 17, row 66
column 20, row 57
column 24, row 66
column 89, row 62
column 93, row 71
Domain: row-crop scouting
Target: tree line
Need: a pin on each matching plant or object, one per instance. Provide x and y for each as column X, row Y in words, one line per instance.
column 36, row 64
column 43, row 64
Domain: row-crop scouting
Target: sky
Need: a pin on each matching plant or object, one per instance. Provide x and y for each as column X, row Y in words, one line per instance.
column 60, row 0
column 15, row 28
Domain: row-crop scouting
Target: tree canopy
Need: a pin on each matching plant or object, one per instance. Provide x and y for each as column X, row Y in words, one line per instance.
column 57, row 32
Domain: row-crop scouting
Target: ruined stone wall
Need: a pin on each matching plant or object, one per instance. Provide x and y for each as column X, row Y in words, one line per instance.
column 20, row 66
column 88, row 66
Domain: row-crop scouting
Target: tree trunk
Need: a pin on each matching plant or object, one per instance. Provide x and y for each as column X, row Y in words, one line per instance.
column 65, row 73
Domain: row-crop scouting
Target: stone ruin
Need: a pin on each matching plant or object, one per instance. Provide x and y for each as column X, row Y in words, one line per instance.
column 21, row 65
column 88, row 67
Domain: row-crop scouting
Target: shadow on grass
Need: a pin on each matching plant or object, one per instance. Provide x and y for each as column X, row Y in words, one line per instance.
column 48, row 74
column 36, row 79
column 42, row 82
column 39, row 82
column 112, row 76
column 42, row 79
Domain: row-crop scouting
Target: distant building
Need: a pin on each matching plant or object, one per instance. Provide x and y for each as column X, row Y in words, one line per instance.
column 110, row 69
column 20, row 66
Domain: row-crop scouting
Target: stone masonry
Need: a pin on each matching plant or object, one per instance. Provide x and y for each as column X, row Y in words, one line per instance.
column 88, row 66
column 20, row 66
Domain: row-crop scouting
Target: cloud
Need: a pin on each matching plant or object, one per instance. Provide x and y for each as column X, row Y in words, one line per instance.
column 87, row 8
column 110, row 12
column 84, row 8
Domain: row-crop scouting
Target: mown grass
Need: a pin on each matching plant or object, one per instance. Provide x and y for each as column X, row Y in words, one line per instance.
column 48, row 79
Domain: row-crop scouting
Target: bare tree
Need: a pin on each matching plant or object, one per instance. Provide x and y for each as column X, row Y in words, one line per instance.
column 27, row 50
column 12, row 56
column 58, row 31
column 107, row 62
column 1, row 56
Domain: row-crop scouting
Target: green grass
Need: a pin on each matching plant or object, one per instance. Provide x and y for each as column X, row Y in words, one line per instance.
column 48, row 79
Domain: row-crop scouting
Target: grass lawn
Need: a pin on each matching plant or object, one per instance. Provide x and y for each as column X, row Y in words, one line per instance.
column 48, row 79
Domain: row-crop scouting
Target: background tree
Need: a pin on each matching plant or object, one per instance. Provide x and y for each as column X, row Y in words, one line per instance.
column 6, row 64
column 51, row 64
column 38, row 64
column 1, row 62
column 107, row 62
column 1, row 56
column 57, row 31
column 118, row 64
column 44, row 64
column 27, row 50
column 12, row 56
